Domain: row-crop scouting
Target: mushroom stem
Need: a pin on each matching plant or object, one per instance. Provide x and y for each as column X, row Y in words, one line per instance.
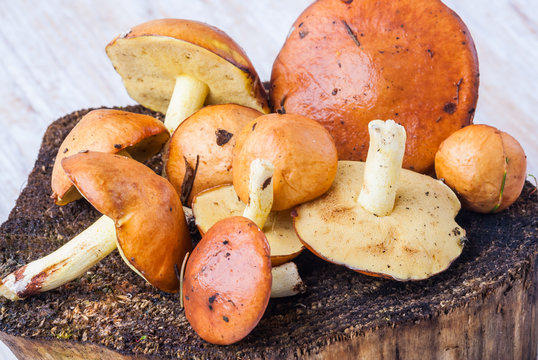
column 63, row 265
column 260, row 189
column 286, row 281
column 188, row 97
column 382, row 169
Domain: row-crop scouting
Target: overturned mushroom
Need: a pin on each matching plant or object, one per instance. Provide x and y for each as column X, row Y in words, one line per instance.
column 228, row 281
column 218, row 203
column 176, row 66
column 111, row 131
column 377, row 221
column 200, row 152
column 143, row 217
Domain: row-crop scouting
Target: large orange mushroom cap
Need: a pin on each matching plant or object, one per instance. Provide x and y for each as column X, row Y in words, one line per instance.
column 227, row 281
column 110, row 131
column 348, row 62
column 150, row 225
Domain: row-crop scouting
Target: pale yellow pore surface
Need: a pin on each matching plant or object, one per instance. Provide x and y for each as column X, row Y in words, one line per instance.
column 149, row 66
column 417, row 240
column 222, row 202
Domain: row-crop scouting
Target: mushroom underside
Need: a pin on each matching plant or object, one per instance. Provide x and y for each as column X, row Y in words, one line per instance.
column 222, row 202
column 417, row 240
column 149, row 67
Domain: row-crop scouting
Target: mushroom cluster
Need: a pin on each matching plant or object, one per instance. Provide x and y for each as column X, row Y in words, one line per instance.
column 262, row 187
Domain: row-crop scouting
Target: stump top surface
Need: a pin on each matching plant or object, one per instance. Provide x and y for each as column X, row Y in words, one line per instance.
column 111, row 306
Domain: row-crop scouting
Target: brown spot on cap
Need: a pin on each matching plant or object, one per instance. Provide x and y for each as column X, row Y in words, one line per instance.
column 223, row 136
column 449, row 108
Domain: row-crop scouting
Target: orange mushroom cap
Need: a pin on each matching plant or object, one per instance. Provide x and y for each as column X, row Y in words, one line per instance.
column 227, row 281
column 204, row 143
column 348, row 62
column 301, row 150
column 151, row 230
column 110, row 131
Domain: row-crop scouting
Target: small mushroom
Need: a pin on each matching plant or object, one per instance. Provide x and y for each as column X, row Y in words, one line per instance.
column 380, row 219
column 484, row 166
column 301, row 150
column 228, row 281
column 175, row 66
column 200, row 152
column 111, row 131
column 142, row 216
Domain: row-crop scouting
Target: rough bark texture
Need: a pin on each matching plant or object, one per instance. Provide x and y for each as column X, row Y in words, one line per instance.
column 483, row 306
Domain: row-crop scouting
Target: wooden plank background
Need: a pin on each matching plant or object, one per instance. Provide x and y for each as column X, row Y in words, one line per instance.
column 52, row 62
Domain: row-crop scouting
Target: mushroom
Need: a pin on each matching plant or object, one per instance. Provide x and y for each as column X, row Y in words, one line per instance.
column 200, row 152
column 143, row 217
column 227, row 281
column 382, row 220
column 176, row 66
column 301, row 150
column 347, row 62
column 484, row 166
column 217, row 204
column 112, row 131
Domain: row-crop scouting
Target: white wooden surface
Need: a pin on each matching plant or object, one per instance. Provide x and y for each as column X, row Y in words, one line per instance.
column 52, row 62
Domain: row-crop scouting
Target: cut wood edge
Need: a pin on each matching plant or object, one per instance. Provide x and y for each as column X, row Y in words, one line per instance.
column 497, row 322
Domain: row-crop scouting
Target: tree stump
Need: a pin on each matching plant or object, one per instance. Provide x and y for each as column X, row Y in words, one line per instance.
column 483, row 306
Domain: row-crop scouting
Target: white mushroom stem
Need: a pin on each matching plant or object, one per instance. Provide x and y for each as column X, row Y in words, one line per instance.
column 382, row 169
column 260, row 190
column 286, row 281
column 63, row 265
column 188, row 97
